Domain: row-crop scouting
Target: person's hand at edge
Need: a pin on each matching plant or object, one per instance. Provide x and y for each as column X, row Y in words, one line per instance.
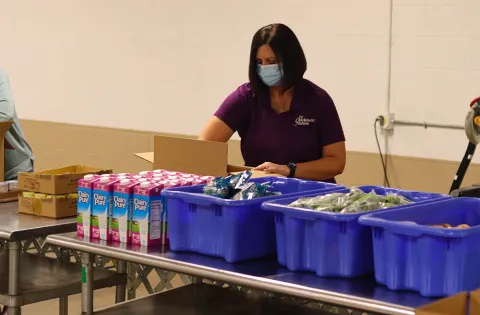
column 269, row 167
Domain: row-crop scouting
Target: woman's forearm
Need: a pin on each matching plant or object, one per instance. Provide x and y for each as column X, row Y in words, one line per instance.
column 322, row 169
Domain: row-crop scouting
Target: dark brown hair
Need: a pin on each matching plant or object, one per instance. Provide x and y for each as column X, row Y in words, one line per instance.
column 288, row 51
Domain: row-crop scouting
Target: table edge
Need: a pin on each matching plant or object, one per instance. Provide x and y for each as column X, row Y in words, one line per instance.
column 259, row 283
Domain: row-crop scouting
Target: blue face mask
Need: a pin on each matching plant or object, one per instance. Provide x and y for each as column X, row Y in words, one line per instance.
column 271, row 75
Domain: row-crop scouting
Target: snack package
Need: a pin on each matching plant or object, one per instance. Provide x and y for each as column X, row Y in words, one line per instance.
column 237, row 181
column 266, row 189
column 238, row 187
column 218, row 187
column 248, row 191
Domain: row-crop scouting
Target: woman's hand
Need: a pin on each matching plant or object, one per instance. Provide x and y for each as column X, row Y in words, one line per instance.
column 270, row 167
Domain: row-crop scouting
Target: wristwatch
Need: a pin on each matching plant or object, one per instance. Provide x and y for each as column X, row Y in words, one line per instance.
column 293, row 167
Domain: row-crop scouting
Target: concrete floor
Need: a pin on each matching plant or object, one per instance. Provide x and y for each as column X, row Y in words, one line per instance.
column 102, row 298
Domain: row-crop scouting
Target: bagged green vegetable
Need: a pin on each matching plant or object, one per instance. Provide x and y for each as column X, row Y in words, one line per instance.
column 396, row 199
column 368, row 202
column 314, row 202
column 355, row 201
column 355, row 194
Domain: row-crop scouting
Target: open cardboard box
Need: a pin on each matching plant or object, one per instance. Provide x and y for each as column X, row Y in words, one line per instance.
column 57, row 181
column 194, row 157
column 460, row 304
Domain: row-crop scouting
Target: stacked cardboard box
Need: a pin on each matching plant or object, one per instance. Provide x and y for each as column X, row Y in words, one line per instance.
column 52, row 193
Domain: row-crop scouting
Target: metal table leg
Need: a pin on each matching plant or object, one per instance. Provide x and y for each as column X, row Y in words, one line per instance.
column 63, row 301
column 197, row 280
column 130, row 280
column 120, row 290
column 87, row 284
column 14, row 275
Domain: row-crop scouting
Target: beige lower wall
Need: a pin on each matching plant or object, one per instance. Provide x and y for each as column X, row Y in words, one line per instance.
column 57, row 144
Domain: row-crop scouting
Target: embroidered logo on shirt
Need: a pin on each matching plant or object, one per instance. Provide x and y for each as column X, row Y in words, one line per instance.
column 302, row 121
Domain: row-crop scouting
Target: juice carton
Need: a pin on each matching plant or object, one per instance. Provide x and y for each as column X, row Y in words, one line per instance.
column 102, row 208
column 147, row 214
column 122, row 210
column 171, row 183
column 201, row 180
column 145, row 173
column 84, row 206
column 157, row 176
column 187, row 181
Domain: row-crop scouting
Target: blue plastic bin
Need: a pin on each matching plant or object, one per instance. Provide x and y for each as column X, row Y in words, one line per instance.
column 235, row 230
column 330, row 244
column 432, row 261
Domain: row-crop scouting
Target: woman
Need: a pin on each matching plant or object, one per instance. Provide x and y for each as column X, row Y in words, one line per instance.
column 287, row 124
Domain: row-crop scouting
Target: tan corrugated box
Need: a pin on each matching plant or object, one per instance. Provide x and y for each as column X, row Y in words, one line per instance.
column 57, row 181
column 460, row 304
column 51, row 207
column 194, row 157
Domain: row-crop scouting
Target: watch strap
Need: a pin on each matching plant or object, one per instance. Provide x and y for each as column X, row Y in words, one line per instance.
column 293, row 167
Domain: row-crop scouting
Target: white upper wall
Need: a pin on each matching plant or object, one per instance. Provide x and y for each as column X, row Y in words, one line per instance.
column 166, row 66
column 435, row 73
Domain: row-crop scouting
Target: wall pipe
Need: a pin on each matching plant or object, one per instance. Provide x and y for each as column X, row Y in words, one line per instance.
column 427, row 125
column 389, row 82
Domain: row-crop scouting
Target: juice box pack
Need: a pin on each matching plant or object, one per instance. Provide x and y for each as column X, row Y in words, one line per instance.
column 84, row 205
column 122, row 210
column 128, row 207
column 103, row 207
column 148, row 214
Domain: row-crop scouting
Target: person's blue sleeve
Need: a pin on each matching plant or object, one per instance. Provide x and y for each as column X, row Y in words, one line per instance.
column 6, row 98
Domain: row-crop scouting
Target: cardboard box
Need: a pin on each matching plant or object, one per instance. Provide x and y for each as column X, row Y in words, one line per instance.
column 4, row 126
column 194, row 157
column 57, row 181
column 475, row 302
column 460, row 304
column 51, row 208
column 9, row 196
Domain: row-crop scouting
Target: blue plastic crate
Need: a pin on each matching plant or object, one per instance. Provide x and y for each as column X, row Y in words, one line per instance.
column 432, row 261
column 235, row 230
column 330, row 244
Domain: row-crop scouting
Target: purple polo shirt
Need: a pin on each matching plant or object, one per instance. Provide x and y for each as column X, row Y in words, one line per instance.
column 294, row 136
